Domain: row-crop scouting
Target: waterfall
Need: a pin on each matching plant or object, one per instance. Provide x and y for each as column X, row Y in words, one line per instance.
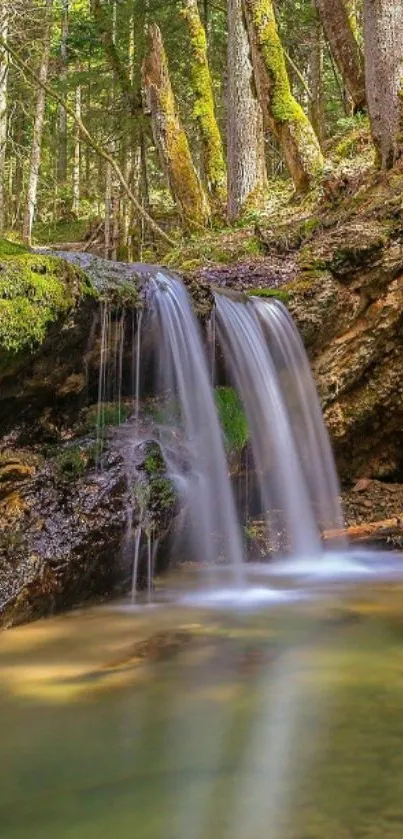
column 289, row 457
column 282, row 481
column 205, row 489
column 304, row 411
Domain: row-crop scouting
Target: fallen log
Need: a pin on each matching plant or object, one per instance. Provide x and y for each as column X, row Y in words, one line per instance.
column 369, row 531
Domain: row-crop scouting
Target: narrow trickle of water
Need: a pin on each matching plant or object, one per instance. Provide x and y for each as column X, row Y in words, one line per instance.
column 213, row 529
column 281, row 477
column 138, row 366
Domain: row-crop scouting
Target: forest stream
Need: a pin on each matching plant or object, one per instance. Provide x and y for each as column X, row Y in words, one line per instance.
column 201, row 419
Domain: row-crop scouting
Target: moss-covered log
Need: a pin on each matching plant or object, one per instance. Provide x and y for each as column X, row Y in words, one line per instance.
column 204, row 109
column 283, row 115
column 170, row 136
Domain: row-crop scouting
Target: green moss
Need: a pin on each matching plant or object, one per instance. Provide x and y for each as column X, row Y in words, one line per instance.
column 35, row 290
column 276, row 293
column 282, row 107
column 65, row 230
column 232, row 418
column 204, row 109
column 162, row 493
column 71, row 463
column 154, row 462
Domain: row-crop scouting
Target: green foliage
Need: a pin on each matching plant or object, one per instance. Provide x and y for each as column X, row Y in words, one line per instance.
column 35, row 290
column 106, row 414
column 71, row 463
column 161, row 494
column 60, row 231
column 232, row 418
column 154, row 462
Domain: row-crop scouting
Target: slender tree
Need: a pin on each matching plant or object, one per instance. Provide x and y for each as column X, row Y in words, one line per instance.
column 337, row 24
column 247, row 177
column 87, row 137
column 283, row 115
column 383, row 36
column 62, row 116
column 204, row 108
column 4, row 22
column 36, row 147
column 169, row 135
column 316, row 74
column 77, row 153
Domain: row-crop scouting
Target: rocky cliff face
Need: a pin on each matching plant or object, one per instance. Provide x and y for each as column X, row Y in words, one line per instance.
column 63, row 519
column 348, row 302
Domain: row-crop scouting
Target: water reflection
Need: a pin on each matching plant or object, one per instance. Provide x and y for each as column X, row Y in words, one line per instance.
column 183, row 722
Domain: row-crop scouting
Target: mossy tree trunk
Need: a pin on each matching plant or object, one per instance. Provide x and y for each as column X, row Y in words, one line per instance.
column 170, row 137
column 383, row 35
column 247, row 178
column 283, row 115
column 338, row 25
column 204, row 109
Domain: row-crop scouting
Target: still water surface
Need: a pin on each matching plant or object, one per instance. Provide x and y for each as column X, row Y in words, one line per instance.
column 177, row 722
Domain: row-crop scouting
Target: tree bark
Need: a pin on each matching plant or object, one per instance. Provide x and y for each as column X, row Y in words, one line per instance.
column 336, row 22
column 35, row 162
column 62, row 116
column 204, row 108
column 170, row 137
column 283, row 115
column 383, row 36
column 247, row 177
column 317, row 103
column 77, row 154
column 3, row 108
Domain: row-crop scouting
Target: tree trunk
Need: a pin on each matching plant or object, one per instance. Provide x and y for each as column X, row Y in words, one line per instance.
column 108, row 211
column 383, row 36
column 283, row 115
column 35, row 161
column 170, row 137
column 204, row 108
column 62, row 116
column 3, row 109
column 317, row 104
column 336, row 22
column 247, row 177
column 77, row 155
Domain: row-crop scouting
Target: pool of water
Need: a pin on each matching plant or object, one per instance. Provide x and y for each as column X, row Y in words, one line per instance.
column 281, row 718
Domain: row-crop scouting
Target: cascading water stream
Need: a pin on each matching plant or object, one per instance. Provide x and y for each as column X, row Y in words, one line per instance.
column 304, row 411
column 282, row 481
column 205, row 489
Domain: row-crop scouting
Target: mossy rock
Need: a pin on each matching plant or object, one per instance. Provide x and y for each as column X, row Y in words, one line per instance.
column 346, row 250
column 35, row 291
column 269, row 294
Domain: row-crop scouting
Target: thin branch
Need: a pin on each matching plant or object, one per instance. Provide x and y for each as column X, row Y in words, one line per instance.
column 19, row 62
column 297, row 71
